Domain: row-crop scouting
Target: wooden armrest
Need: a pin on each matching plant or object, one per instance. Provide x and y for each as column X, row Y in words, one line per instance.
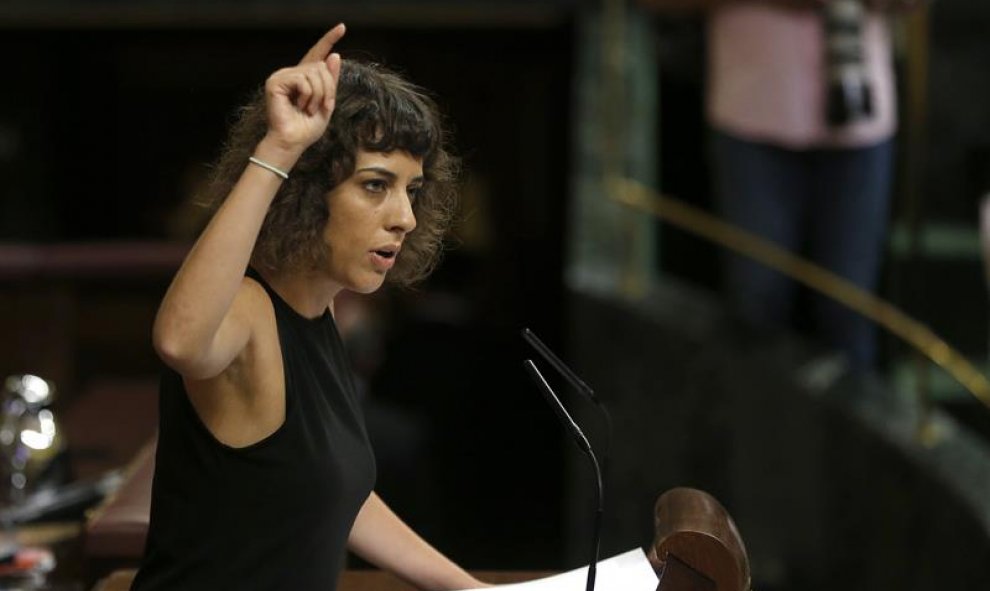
column 116, row 259
column 118, row 527
column 692, row 530
column 118, row 581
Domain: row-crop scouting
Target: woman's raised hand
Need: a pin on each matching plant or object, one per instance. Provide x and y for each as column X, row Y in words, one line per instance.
column 300, row 99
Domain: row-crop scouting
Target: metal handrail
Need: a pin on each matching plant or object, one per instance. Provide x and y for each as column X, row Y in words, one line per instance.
column 636, row 195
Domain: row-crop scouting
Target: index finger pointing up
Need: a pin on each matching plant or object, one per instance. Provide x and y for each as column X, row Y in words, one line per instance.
column 321, row 50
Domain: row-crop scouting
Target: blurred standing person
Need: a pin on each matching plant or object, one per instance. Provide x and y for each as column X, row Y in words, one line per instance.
column 801, row 102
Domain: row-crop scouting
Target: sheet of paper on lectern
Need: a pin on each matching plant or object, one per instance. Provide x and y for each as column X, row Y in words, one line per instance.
column 629, row 571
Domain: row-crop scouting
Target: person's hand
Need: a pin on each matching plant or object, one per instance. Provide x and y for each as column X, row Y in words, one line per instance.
column 300, row 99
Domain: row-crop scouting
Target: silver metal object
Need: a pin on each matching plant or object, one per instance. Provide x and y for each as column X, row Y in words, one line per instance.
column 30, row 438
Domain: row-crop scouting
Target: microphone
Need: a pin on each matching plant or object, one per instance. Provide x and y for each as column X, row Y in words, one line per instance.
column 573, row 379
column 559, row 365
column 582, row 443
column 565, row 417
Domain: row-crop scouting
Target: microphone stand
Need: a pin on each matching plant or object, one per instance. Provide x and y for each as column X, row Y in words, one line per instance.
column 597, row 532
column 585, row 446
column 576, row 382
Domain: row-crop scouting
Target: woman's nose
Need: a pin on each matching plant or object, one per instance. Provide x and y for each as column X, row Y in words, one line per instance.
column 401, row 215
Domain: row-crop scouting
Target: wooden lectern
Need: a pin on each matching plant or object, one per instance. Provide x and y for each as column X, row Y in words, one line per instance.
column 696, row 545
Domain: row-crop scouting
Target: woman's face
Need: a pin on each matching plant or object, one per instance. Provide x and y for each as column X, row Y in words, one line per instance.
column 371, row 212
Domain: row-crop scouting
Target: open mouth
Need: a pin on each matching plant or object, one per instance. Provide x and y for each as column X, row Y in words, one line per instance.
column 386, row 254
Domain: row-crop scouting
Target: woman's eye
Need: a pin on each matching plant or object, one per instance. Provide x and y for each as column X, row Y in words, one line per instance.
column 376, row 185
column 414, row 192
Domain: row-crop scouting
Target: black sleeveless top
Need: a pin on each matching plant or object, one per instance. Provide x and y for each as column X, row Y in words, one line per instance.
column 275, row 514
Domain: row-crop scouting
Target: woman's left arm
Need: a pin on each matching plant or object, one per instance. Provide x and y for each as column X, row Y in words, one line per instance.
column 384, row 540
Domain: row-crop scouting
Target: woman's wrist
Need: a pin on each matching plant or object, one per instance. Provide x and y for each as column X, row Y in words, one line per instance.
column 277, row 154
column 479, row 584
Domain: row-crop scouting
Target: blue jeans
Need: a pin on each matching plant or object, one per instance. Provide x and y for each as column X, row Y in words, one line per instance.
column 829, row 204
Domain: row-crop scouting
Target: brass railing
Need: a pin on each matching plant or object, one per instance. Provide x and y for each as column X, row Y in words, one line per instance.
column 633, row 194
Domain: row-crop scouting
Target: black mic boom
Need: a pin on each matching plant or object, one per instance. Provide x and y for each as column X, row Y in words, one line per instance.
column 557, row 406
column 582, row 443
column 578, row 384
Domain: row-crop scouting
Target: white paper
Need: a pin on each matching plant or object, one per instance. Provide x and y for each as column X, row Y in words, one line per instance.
column 629, row 571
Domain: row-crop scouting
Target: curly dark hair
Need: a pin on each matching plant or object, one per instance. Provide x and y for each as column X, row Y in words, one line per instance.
column 376, row 110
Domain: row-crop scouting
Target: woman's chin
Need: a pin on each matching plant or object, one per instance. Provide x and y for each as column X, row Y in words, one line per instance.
column 368, row 286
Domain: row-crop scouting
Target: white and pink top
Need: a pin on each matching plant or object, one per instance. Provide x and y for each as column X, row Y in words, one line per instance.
column 767, row 78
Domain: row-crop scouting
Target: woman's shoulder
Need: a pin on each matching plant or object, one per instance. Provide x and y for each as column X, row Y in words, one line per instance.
column 252, row 300
column 251, row 322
